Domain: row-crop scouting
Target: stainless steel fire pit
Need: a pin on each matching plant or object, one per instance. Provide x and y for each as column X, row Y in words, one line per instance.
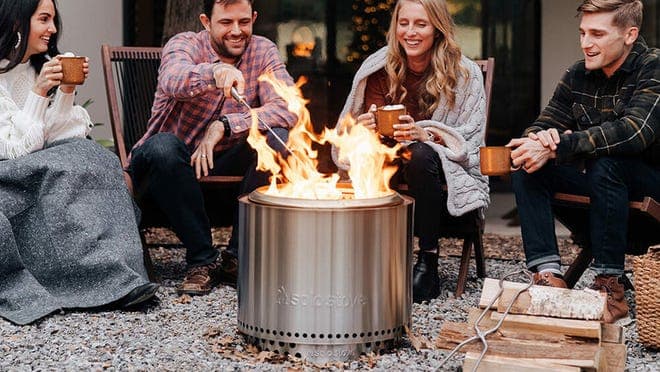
column 324, row 280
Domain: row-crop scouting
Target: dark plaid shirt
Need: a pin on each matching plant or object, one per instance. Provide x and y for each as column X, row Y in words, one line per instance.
column 619, row 115
column 187, row 101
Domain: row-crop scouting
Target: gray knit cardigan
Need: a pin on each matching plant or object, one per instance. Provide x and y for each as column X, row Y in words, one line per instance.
column 462, row 127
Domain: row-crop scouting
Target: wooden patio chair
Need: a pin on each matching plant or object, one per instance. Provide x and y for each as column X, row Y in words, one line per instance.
column 470, row 226
column 573, row 212
column 131, row 77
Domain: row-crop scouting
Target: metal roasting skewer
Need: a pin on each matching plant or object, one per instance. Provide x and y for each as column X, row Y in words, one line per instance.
column 240, row 99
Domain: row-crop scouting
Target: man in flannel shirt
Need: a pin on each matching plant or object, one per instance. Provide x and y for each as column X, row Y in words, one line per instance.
column 198, row 129
column 599, row 137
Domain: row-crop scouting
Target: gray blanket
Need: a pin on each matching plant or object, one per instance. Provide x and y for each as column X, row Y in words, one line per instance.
column 68, row 236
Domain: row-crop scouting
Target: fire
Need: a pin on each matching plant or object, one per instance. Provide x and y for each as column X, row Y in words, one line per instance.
column 297, row 174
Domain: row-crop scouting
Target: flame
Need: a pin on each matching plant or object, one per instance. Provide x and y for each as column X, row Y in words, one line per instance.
column 297, row 173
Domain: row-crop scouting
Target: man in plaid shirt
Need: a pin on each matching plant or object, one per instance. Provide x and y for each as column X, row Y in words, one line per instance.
column 198, row 129
column 597, row 137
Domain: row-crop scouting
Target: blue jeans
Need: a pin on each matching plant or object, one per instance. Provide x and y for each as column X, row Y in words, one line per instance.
column 161, row 173
column 611, row 182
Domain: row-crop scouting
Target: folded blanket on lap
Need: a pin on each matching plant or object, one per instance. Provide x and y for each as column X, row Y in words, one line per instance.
column 68, row 237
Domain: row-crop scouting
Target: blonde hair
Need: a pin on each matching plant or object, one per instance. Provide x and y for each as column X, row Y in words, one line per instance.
column 627, row 13
column 446, row 69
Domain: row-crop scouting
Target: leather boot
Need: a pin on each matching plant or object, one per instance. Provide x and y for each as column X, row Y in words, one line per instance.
column 426, row 283
column 617, row 306
column 549, row 279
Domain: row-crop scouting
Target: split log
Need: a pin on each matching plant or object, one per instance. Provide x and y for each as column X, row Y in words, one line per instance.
column 492, row 363
column 491, row 287
column 572, row 352
column 612, row 358
column 569, row 327
column 511, row 332
column 611, row 333
column 556, row 302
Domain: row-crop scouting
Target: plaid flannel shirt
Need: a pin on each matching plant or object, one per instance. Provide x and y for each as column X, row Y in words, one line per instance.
column 187, row 100
column 619, row 115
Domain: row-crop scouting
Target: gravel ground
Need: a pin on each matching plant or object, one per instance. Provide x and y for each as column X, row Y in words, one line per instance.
column 183, row 333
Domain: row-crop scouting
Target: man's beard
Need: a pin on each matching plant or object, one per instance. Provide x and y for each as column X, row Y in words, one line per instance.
column 226, row 52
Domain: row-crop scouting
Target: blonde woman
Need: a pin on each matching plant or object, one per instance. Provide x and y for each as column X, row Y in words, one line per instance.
column 422, row 68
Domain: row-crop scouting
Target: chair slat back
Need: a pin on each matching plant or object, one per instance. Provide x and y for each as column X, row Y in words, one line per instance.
column 131, row 78
column 488, row 69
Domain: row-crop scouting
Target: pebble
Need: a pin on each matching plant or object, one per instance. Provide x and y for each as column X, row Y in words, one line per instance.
column 180, row 335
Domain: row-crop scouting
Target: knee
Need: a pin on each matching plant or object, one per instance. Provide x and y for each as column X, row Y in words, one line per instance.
column 164, row 150
column 604, row 170
column 518, row 180
column 423, row 159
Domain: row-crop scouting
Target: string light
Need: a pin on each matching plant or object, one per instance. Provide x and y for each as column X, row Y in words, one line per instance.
column 371, row 18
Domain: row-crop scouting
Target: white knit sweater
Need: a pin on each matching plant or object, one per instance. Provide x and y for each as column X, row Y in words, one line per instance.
column 26, row 120
column 462, row 130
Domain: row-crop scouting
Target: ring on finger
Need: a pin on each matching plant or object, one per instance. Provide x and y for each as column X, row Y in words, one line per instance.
column 203, row 156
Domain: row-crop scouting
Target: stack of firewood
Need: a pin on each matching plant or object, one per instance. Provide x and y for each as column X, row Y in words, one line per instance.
column 546, row 329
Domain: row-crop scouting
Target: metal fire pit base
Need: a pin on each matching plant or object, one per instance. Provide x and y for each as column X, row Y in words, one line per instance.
column 321, row 354
column 325, row 284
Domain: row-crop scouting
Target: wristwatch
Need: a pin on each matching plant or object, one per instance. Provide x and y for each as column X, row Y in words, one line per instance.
column 225, row 123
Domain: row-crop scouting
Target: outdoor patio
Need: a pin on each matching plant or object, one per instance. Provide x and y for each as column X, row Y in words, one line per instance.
column 200, row 333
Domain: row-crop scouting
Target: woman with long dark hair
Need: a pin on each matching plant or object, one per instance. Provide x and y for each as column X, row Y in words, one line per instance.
column 68, row 236
column 422, row 68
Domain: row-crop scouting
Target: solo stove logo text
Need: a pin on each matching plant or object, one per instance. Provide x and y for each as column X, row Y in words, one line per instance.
column 296, row 299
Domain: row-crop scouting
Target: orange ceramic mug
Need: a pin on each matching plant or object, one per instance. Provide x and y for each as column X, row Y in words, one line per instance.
column 496, row 160
column 386, row 117
column 72, row 70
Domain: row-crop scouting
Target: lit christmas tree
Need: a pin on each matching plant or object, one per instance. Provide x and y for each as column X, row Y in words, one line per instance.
column 371, row 19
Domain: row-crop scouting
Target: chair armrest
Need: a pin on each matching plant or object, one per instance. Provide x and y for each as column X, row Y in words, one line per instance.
column 652, row 207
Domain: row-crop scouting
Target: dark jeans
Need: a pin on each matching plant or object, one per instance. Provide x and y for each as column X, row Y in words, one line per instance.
column 424, row 175
column 161, row 173
column 610, row 182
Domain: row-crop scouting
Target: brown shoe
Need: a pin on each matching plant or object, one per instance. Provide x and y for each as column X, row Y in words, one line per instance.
column 228, row 269
column 617, row 306
column 549, row 279
column 200, row 280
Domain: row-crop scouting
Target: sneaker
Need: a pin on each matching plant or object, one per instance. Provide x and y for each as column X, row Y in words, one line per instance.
column 549, row 279
column 139, row 295
column 228, row 269
column 200, row 280
column 617, row 307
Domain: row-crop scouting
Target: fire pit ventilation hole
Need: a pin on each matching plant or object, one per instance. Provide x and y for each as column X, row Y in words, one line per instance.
column 321, row 336
column 300, row 350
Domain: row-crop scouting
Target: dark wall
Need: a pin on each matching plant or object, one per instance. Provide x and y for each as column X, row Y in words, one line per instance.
column 511, row 34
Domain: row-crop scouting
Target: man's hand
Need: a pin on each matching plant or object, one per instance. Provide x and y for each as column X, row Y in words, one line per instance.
column 548, row 138
column 530, row 154
column 202, row 158
column 227, row 76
